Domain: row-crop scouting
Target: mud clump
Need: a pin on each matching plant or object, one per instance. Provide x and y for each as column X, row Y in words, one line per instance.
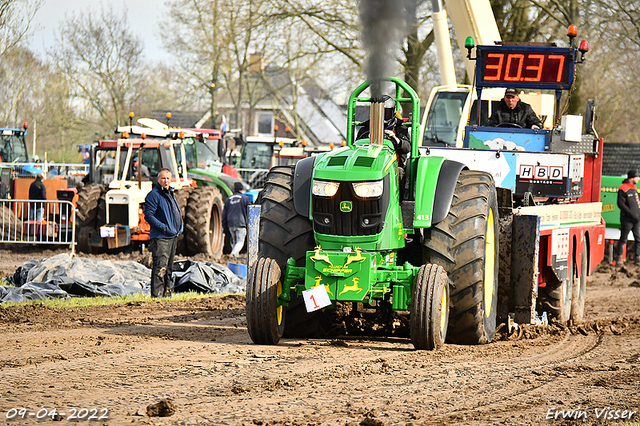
column 164, row 408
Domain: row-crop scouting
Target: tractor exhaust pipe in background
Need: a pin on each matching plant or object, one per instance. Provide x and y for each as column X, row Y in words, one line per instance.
column 376, row 122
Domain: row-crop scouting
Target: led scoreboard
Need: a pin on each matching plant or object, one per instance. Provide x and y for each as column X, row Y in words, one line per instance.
column 525, row 66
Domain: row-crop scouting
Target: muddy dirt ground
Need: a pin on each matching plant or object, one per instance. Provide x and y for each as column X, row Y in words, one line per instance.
column 193, row 361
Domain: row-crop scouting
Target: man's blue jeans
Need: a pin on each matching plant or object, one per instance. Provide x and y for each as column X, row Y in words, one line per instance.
column 237, row 240
column 162, row 251
column 37, row 211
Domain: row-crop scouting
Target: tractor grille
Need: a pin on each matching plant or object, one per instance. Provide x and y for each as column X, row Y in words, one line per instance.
column 329, row 219
column 337, row 161
column 363, row 161
column 118, row 214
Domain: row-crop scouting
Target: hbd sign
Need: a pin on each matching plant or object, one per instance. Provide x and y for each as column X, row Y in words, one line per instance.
column 538, row 172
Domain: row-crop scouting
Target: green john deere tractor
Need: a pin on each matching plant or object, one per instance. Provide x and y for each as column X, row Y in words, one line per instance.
column 343, row 227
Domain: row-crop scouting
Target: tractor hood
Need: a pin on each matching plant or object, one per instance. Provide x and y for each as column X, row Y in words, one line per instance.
column 361, row 162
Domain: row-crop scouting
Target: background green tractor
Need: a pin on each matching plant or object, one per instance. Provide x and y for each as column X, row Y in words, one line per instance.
column 336, row 228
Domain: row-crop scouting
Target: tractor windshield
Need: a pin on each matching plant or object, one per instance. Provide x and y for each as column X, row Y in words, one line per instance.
column 190, row 152
column 207, row 152
column 13, row 149
column 256, row 156
column 444, row 118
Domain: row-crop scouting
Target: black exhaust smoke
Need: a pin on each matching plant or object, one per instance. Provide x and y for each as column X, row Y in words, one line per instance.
column 384, row 24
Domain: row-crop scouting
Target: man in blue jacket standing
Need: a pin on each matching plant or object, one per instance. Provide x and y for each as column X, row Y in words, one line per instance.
column 234, row 218
column 162, row 212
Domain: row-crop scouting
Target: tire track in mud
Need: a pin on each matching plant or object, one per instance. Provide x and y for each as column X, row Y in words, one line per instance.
column 501, row 391
column 382, row 375
column 150, row 352
column 574, row 358
column 546, row 360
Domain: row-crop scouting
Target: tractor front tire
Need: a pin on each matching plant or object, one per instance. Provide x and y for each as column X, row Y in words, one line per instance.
column 465, row 244
column 429, row 308
column 203, row 222
column 285, row 234
column 265, row 318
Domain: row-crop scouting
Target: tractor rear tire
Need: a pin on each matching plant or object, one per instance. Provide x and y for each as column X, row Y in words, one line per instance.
column 182, row 197
column 556, row 297
column 429, row 308
column 465, row 244
column 87, row 208
column 285, row 234
column 87, row 205
column 265, row 319
column 556, row 300
column 579, row 285
column 82, row 238
column 203, row 222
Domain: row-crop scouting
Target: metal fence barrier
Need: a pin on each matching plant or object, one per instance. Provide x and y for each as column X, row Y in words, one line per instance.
column 38, row 222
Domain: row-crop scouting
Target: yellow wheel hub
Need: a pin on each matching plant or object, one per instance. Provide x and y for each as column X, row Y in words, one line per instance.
column 280, row 308
column 444, row 310
column 489, row 264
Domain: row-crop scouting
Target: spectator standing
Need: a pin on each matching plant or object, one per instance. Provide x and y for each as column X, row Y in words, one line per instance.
column 37, row 191
column 234, row 217
column 629, row 206
column 162, row 212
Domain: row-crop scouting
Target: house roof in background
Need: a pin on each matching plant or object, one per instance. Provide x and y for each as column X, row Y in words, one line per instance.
column 182, row 119
column 619, row 158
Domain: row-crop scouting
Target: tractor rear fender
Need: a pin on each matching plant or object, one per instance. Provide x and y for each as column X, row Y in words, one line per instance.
column 207, row 178
column 302, row 186
column 435, row 184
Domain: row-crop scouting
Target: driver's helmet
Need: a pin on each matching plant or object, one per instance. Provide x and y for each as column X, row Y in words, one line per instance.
column 389, row 112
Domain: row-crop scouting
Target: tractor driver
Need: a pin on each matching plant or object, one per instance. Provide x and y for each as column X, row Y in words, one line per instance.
column 394, row 131
column 512, row 112
column 144, row 170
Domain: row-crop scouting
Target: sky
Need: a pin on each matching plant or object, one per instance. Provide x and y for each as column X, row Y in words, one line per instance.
column 144, row 16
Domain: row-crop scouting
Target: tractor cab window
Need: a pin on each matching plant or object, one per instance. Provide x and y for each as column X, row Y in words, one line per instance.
column 485, row 113
column 105, row 166
column 13, row 149
column 190, row 148
column 151, row 160
column 444, row 118
column 256, row 156
column 207, row 152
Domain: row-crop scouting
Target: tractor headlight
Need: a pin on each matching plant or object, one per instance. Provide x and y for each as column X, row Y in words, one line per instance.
column 368, row 189
column 325, row 188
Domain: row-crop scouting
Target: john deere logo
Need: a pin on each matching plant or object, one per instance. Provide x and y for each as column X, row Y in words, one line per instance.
column 345, row 206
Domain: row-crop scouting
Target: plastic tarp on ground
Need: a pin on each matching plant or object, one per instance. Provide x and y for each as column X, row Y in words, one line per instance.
column 62, row 276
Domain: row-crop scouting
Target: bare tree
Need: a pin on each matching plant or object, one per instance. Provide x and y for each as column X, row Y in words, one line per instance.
column 195, row 32
column 15, row 21
column 334, row 30
column 215, row 43
column 22, row 73
column 102, row 60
